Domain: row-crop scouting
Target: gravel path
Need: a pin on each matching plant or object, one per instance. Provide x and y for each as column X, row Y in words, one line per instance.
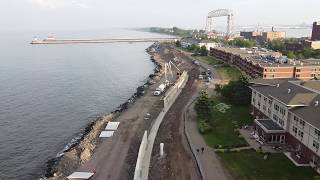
column 178, row 162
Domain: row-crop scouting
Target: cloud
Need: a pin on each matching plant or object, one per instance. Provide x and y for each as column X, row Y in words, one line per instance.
column 54, row 4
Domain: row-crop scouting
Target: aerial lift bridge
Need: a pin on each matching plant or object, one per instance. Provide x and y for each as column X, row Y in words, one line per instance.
column 220, row 13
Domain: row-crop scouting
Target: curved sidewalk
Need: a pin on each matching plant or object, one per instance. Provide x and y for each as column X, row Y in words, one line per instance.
column 209, row 164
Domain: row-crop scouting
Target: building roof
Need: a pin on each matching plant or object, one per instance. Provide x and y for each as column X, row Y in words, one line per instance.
column 112, row 126
column 300, row 97
column 269, row 125
column 106, row 134
column 260, row 57
column 312, row 85
column 80, row 175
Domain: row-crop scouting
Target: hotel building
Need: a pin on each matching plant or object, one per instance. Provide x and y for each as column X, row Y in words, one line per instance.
column 287, row 112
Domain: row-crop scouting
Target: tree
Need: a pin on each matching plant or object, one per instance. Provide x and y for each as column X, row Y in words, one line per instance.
column 276, row 45
column 237, row 92
column 218, row 88
column 203, row 105
column 194, row 48
column 291, row 55
column 203, row 51
column 178, row 43
column 242, row 43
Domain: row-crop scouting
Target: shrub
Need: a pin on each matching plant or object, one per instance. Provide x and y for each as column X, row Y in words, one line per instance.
column 204, row 127
column 220, row 150
column 316, row 177
column 225, row 65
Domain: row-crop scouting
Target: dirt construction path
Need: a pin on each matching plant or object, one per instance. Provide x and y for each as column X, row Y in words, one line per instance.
column 178, row 162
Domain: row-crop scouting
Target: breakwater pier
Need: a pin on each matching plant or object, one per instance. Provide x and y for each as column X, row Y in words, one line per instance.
column 51, row 40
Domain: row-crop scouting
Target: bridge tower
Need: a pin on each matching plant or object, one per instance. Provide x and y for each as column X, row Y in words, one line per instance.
column 220, row 13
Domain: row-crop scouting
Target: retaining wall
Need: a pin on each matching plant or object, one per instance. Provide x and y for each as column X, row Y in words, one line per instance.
column 142, row 150
column 144, row 156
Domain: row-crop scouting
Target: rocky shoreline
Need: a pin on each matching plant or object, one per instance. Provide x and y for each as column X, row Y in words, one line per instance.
column 81, row 149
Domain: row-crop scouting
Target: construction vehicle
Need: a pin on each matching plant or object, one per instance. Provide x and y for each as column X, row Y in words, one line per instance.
column 159, row 90
column 167, row 81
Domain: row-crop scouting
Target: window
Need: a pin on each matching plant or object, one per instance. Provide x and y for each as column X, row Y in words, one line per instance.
column 259, row 95
column 315, row 144
column 264, row 107
column 281, row 122
column 300, row 134
column 265, row 99
column 317, row 132
column 259, row 104
column 301, row 122
column 270, row 102
column 275, row 117
column 296, row 119
column 276, row 107
column 298, row 75
column 282, row 111
column 298, row 70
column 294, row 130
column 269, row 111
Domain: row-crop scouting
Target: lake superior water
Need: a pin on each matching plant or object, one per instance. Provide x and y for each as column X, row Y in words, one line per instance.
column 49, row 93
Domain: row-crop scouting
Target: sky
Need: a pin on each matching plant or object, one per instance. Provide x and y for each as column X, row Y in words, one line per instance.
column 102, row 14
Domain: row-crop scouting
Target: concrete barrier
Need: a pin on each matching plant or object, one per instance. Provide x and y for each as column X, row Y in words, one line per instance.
column 142, row 150
column 144, row 157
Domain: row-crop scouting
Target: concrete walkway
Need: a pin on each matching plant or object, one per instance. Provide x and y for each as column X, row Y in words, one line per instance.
column 209, row 162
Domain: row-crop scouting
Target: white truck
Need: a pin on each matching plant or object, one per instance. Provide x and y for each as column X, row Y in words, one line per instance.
column 159, row 90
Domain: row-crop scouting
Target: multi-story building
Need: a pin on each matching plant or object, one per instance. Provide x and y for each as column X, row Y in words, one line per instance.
column 208, row 44
column 293, row 46
column 312, row 44
column 250, row 34
column 267, row 64
column 316, row 31
column 272, row 35
column 288, row 112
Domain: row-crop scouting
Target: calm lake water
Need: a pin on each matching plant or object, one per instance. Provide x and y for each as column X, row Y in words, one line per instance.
column 49, row 93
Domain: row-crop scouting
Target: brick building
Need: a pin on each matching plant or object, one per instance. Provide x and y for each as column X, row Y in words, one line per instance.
column 287, row 112
column 293, row 46
column 316, row 32
column 252, row 35
column 267, row 64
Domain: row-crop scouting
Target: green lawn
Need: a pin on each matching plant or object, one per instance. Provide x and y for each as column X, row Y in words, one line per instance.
column 250, row 165
column 229, row 73
column 224, row 124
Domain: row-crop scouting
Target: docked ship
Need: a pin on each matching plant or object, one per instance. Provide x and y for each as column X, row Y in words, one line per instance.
column 49, row 39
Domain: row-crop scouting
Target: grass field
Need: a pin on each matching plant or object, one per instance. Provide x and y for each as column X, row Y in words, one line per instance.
column 224, row 124
column 229, row 73
column 208, row 60
column 250, row 165
column 226, row 72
